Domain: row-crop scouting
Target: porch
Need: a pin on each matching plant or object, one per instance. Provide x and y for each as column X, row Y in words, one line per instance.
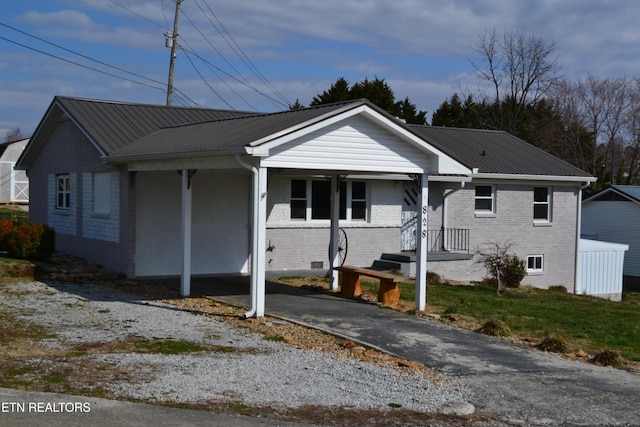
column 444, row 244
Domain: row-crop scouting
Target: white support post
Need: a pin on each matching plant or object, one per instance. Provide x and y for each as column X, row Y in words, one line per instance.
column 185, row 279
column 334, row 258
column 421, row 255
column 260, row 210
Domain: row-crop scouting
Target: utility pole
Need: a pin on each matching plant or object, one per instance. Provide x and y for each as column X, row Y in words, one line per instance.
column 172, row 42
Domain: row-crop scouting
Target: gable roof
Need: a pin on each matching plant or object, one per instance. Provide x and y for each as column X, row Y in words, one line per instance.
column 124, row 132
column 112, row 125
column 496, row 152
column 228, row 133
column 630, row 193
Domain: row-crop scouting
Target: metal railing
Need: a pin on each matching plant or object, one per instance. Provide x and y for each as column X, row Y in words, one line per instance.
column 448, row 239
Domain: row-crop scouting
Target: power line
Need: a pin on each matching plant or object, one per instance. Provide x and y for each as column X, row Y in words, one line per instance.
column 205, row 82
column 215, row 73
column 241, row 54
column 76, row 53
column 275, row 101
column 88, row 58
column 137, row 14
column 79, row 65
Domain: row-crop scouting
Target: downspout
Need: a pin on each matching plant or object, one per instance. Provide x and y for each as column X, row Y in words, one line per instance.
column 577, row 276
column 254, row 237
column 445, row 243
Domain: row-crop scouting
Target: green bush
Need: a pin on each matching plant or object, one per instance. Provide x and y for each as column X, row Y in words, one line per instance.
column 513, row 271
column 29, row 240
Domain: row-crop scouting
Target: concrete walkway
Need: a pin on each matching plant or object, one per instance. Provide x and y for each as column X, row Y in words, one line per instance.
column 508, row 381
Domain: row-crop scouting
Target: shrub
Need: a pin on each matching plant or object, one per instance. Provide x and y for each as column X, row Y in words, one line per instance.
column 495, row 328
column 29, row 240
column 6, row 225
column 513, row 271
column 553, row 344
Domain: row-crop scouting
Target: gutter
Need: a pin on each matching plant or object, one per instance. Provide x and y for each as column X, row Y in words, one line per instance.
column 576, row 179
column 254, row 237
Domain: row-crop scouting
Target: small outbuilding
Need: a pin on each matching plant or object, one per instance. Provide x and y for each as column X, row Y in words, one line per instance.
column 600, row 271
column 613, row 215
column 14, row 184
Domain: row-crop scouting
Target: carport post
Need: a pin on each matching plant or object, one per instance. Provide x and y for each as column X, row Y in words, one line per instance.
column 334, row 259
column 185, row 278
column 421, row 255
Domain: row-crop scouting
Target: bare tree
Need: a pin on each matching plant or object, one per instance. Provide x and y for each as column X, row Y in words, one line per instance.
column 14, row 135
column 519, row 69
column 501, row 265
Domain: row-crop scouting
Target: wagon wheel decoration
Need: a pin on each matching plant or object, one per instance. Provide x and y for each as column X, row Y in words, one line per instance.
column 343, row 245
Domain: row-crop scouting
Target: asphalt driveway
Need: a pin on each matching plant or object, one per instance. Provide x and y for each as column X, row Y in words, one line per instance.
column 510, row 382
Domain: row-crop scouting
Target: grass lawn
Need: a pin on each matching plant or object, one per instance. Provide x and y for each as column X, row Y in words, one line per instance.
column 587, row 323
column 13, row 213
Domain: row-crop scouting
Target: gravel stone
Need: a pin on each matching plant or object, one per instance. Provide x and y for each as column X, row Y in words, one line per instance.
column 259, row 372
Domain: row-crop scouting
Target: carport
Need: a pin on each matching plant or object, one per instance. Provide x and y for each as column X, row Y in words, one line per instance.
column 339, row 140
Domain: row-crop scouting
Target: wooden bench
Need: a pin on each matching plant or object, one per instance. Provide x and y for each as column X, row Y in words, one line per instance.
column 388, row 294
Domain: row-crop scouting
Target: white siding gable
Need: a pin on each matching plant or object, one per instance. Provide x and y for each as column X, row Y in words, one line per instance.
column 354, row 144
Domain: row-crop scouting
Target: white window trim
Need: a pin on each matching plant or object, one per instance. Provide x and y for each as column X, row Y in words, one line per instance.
column 535, row 270
column 492, row 197
column 548, row 202
column 349, row 212
column 66, row 194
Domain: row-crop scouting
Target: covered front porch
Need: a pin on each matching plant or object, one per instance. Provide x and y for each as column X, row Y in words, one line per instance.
column 356, row 140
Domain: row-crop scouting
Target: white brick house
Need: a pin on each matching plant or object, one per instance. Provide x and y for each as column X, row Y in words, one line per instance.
column 168, row 191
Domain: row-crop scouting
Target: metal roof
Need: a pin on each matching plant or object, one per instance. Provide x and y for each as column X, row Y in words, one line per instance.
column 495, row 152
column 230, row 133
column 113, row 125
column 630, row 192
column 123, row 131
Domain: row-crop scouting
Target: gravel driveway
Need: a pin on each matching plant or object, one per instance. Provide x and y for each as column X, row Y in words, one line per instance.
column 248, row 369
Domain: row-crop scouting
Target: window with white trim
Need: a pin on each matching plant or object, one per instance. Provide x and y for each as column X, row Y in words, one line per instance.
column 102, row 193
column 535, row 263
column 485, row 199
column 63, row 193
column 542, row 204
column 311, row 200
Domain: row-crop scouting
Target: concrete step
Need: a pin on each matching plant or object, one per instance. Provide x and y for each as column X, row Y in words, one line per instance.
column 399, row 257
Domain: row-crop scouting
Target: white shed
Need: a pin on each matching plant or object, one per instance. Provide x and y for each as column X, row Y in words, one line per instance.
column 600, row 267
column 14, row 184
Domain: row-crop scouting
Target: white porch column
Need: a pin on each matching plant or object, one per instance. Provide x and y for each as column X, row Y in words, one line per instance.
column 421, row 255
column 258, row 254
column 185, row 278
column 334, row 259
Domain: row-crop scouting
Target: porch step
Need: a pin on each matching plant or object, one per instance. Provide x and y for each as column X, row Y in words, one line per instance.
column 394, row 261
column 399, row 257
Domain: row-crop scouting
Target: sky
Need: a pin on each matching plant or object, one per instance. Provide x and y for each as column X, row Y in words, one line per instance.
column 263, row 55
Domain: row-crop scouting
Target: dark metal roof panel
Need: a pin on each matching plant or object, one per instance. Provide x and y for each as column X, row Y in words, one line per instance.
column 229, row 133
column 495, row 152
column 113, row 125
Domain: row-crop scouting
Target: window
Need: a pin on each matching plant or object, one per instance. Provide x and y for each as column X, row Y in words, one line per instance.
column 541, row 204
column 358, row 201
column 312, row 200
column 485, row 199
column 63, row 200
column 535, row 263
column 298, row 199
column 102, row 193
